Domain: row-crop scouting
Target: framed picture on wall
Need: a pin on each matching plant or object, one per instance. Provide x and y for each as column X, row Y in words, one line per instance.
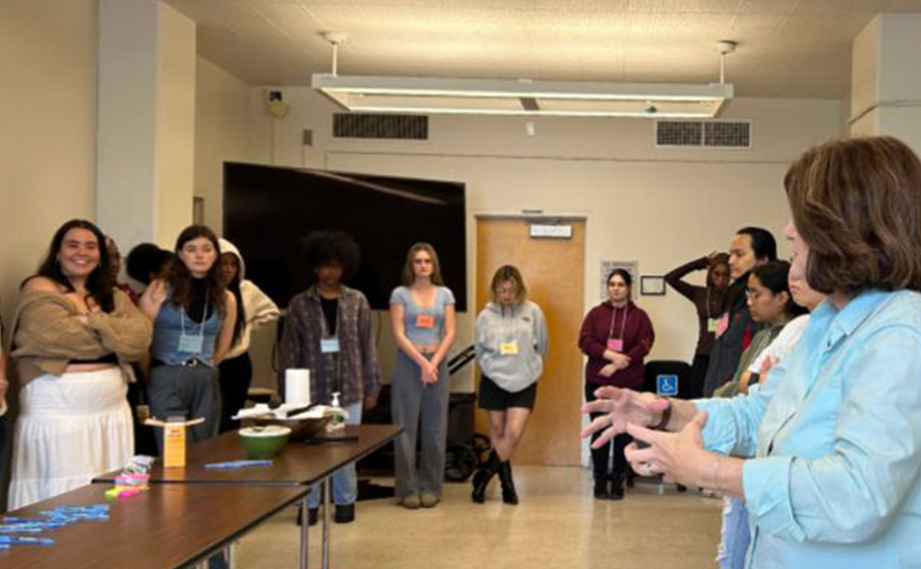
column 652, row 285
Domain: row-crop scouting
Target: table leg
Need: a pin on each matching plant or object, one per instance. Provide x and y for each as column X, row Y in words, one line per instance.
column 305, row 503
column 327, row 506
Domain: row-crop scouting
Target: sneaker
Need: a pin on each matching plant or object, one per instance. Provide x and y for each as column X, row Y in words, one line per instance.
column 345, row 514
column 411, row 501
column 429, row 500
column 313, row 516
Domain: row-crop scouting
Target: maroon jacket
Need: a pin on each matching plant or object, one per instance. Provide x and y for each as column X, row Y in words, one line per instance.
column 638, row 339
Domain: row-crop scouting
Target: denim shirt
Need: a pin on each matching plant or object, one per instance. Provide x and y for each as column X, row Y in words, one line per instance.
column 168, row 327
column 836, row 432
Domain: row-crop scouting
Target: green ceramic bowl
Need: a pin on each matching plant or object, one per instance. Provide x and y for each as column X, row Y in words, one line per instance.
column 263, row 443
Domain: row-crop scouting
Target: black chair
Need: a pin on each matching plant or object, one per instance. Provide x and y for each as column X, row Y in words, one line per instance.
column 679, row 369
column 655, row 368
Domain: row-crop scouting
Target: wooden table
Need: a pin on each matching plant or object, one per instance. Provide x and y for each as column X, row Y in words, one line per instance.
column 170, row 526
column 298, row 465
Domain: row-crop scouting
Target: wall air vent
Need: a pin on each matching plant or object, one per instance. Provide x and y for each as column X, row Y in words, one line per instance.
column 704, row 134
column 380, row 126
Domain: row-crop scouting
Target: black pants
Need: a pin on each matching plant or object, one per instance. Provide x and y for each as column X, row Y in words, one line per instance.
column 236, row 377
column 601, row 457
column 697, row 377
column 145, row 440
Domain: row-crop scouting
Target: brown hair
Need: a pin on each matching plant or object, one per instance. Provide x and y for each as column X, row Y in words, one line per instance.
column 179, row 278
column 857, row 204
column 409, row 276
column 99, row 284
column 508, row 273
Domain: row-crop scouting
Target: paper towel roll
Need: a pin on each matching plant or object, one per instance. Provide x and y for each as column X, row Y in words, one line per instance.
column 297, row 386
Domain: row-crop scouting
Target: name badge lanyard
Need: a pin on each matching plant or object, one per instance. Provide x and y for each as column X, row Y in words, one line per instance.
column 184, row 339
column 623, row 327
column 337, row 361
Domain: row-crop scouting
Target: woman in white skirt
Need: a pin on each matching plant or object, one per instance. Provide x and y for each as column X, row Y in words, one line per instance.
column 74, row 337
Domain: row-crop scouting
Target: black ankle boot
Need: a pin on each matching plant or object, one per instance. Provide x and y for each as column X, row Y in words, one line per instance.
column 509, row 496
column 482, row 477
column 617, row 486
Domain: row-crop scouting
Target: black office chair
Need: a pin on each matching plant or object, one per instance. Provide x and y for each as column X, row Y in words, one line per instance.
column 679, row 369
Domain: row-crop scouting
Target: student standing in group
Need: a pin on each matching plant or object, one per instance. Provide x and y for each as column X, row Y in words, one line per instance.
column 146, row 263
column 779, row 302
column 74, row 337
column 328, row 331
column 422, row 317
column 511, row 342
column 708, row 300
column 616, row 335
column 194, row 317
column 254, row 309
column 751, row 246
column 4, row 419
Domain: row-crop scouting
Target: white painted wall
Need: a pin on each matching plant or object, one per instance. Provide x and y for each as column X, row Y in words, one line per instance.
column 48, row 118
column 222, row 104
column 658, row 206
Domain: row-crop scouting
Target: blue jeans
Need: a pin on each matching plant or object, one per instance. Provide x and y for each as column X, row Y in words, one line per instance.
column 735, row 535
column 345, row 480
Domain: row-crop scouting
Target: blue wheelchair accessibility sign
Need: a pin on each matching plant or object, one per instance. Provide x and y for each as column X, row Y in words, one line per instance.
column 667, row 385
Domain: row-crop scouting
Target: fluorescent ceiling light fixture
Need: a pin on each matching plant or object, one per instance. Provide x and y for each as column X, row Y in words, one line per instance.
column 435, row 95
column 431, row 95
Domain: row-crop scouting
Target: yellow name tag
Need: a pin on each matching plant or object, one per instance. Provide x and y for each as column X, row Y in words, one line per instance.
column 508, row 348
column 712, row 324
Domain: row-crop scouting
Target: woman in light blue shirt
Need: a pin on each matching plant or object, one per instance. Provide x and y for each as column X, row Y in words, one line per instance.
column 835, row 431
column 422, row 317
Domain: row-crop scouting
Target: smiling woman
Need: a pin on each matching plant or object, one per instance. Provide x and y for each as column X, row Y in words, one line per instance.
column 73, row 338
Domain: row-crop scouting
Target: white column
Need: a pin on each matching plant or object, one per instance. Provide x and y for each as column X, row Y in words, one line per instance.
column 886, row 79
column 146, row 121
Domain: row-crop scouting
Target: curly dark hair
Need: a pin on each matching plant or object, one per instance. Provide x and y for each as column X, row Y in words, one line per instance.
column 179, row 278
column 145, row 260
column 857, row 204
column 100, row 282
column 328, row 248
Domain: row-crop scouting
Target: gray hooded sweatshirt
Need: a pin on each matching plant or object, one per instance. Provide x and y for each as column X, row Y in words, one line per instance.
column 522, row 324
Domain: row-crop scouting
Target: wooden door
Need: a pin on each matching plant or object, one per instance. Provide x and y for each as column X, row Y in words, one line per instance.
column 554, row 273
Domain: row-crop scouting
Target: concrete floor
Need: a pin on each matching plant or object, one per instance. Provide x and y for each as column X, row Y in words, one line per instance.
column 558, row 524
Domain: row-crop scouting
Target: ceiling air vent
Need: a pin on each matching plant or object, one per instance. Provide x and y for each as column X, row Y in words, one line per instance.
column 380, row 126
column 679, row 133
column 728, row 134
column 704, row 134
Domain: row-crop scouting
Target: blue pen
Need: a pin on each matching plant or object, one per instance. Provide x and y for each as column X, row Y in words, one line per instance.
column 18, row 540
column 238, row 464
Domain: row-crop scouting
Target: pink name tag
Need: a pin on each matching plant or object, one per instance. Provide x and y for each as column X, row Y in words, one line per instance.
column 616, row 345
column 722, row 325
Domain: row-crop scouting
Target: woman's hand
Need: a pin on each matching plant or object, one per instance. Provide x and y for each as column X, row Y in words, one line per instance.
column 621, row 361
column 608, row 370
column 621, row 406
column 429, row 373
column 679, row 456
